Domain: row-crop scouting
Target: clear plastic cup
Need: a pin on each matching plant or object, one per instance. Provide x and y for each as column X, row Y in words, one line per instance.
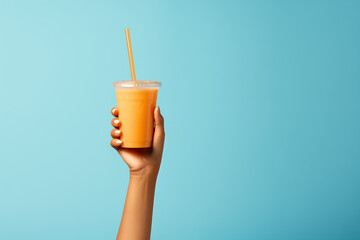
column 136, row 101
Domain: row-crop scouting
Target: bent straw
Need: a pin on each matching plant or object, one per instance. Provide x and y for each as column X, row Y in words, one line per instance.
column 131, row 59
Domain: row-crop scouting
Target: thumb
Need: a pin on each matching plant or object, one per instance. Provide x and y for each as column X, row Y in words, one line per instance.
column 159, row 132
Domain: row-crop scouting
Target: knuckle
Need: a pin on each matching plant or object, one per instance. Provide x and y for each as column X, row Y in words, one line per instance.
column 113, row 110
column 113, row 121
column 160, row 121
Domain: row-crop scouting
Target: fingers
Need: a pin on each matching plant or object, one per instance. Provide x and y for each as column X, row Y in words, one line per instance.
column 115, row 143
column 115, row 133
column 159, row 132
column 115, row 122
column 115, row 112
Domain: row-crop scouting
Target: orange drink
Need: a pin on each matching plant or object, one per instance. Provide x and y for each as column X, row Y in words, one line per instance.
column 136, row 101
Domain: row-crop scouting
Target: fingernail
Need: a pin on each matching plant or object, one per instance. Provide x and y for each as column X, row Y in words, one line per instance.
column 118, row 141
column 159, row 109
column 117, row 131
column 116, row 121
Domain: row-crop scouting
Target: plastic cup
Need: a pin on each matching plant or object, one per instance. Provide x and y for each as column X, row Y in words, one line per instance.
column 136, row 101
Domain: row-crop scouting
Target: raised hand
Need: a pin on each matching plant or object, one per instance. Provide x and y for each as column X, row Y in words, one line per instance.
column 140, row 160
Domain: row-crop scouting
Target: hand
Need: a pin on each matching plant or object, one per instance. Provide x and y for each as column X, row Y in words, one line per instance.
column 141, row 161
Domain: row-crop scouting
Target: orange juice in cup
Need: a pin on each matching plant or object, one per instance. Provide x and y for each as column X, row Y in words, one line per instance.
column 136, row 101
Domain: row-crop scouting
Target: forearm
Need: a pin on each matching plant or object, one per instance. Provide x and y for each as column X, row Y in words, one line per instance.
column 137, row 214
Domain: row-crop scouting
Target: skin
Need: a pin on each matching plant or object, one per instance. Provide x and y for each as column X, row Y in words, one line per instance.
column 144, row 165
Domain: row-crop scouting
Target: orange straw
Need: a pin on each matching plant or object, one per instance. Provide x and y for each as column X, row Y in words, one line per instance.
column 131, row 59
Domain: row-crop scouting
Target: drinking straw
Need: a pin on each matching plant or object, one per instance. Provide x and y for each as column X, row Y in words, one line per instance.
column 131, row 59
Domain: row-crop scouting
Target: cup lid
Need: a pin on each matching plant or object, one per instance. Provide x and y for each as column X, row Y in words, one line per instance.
column 139, row 84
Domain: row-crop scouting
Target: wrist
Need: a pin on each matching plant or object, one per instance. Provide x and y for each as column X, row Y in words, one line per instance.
column 148, row 172
column 143, row 181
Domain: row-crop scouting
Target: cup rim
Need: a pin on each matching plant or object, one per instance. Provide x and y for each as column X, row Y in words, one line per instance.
column 138, row 84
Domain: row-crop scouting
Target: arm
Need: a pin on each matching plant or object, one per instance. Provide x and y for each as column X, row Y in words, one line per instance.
column 137, row 215
column 144, row 165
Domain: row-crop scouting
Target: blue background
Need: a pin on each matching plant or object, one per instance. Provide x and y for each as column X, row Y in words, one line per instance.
column 261, row 102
